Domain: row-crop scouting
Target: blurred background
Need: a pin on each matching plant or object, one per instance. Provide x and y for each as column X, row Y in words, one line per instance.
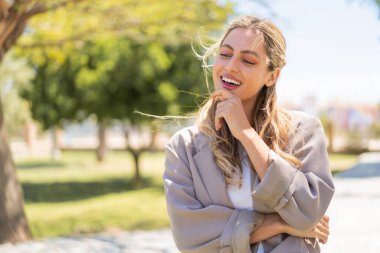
column 79, row 153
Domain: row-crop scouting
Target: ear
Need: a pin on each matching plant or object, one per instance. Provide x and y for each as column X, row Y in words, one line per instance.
column 273, row 77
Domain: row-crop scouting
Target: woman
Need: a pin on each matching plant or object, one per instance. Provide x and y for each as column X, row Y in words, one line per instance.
column 248, row 177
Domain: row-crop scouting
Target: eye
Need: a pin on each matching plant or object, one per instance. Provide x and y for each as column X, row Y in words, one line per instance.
column 224, row 55
column 249, row 62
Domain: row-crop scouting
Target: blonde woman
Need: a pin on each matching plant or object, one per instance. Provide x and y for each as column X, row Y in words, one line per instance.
column 249, row 176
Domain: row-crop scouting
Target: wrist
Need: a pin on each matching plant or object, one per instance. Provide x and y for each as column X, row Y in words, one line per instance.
column 281, row 225
column 247, row 135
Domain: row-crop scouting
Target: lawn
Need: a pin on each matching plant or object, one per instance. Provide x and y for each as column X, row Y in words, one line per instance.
column 340, row 162
column 77, row 195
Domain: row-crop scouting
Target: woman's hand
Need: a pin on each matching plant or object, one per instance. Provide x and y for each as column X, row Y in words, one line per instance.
column 273, row 225
column 321, row 231
column 230, row 108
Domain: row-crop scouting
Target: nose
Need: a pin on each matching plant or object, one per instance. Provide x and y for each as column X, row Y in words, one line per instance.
column 231, row 66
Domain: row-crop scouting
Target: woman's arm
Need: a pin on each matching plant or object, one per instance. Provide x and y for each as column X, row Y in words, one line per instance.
column 321, row 231
column 300, row 196
column 198, row 228
column 273, row 225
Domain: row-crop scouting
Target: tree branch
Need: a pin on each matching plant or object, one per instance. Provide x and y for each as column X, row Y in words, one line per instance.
column 77, row 37
column 3, row 9
column 39, row 7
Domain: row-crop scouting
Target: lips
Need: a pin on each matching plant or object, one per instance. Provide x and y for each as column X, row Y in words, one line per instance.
column 229, row 82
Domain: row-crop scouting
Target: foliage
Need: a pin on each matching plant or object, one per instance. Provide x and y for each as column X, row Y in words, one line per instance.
column 114, row 57
column 52, row 96
column 113, row 78
column 16, row 109
column 164, row 22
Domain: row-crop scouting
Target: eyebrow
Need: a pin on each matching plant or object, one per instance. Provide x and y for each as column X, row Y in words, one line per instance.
column 242, row 52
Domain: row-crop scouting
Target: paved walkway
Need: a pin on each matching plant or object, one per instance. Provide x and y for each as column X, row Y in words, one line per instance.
column 125, row 242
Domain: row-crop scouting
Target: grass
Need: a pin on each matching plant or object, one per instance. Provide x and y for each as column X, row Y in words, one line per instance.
column 139, row 209
column 340, row 162
column 77, row 195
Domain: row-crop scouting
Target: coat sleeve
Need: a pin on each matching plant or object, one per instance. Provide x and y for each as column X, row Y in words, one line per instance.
column 300, row 196
column 198, row 228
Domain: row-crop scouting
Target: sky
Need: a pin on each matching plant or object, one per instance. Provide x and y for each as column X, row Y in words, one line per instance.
column 333, row 49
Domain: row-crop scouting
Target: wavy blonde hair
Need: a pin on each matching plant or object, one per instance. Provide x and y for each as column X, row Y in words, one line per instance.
column 271, row 123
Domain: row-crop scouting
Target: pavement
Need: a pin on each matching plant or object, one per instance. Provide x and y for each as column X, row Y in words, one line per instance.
column 354, row 223
column 159, row 241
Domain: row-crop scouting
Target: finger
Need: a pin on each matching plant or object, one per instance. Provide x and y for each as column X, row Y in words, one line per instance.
column 218, row 118
column 224, row 93
column 322, row 234
column 222, row 107
column 218, row 99
column 218, row 124
column 325, row 223
column 322, row 229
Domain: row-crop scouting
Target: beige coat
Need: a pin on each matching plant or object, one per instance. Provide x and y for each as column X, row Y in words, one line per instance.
column 202, row 217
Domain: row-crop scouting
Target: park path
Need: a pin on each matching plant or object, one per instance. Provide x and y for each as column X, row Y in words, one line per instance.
column 159, row 241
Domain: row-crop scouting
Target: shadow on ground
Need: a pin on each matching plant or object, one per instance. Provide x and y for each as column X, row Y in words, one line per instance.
column 40, row 165
column 361, row 170
column 67, row 191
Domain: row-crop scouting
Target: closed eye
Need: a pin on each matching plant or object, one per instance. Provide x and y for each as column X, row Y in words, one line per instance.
column 249, row 62
column 225, row 55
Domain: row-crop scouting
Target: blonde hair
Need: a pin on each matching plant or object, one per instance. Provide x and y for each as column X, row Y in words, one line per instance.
column 271, row 123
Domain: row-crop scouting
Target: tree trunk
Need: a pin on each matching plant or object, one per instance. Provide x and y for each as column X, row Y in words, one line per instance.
column 30, row 136
column 14, row 16
column 56, row 143
column 102, row 137
column 136, row 158
column 135, row 154
column 153, row 137
column 13, row 222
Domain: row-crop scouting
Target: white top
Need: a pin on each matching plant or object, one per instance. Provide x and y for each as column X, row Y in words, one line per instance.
column 241, row 197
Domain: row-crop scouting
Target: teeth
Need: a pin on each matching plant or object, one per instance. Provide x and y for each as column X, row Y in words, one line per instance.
column 230, row 81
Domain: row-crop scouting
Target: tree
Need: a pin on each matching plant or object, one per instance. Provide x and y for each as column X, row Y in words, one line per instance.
column 53, row 97
column 111, row 79
column 153, row 30
column 132, row 18
column 17, row 112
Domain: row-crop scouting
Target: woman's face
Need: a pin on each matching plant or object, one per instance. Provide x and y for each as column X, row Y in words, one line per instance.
column 240, row 65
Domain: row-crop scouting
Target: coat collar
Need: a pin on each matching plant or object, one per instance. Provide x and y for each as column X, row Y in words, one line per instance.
column 209, row 171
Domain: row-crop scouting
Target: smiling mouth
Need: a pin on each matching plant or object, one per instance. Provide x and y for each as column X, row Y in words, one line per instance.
column 230, row 81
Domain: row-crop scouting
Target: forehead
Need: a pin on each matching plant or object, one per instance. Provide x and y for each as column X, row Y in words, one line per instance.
column 245, row 39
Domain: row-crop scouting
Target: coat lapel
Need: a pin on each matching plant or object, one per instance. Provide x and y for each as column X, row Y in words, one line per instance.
column 210, row 173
